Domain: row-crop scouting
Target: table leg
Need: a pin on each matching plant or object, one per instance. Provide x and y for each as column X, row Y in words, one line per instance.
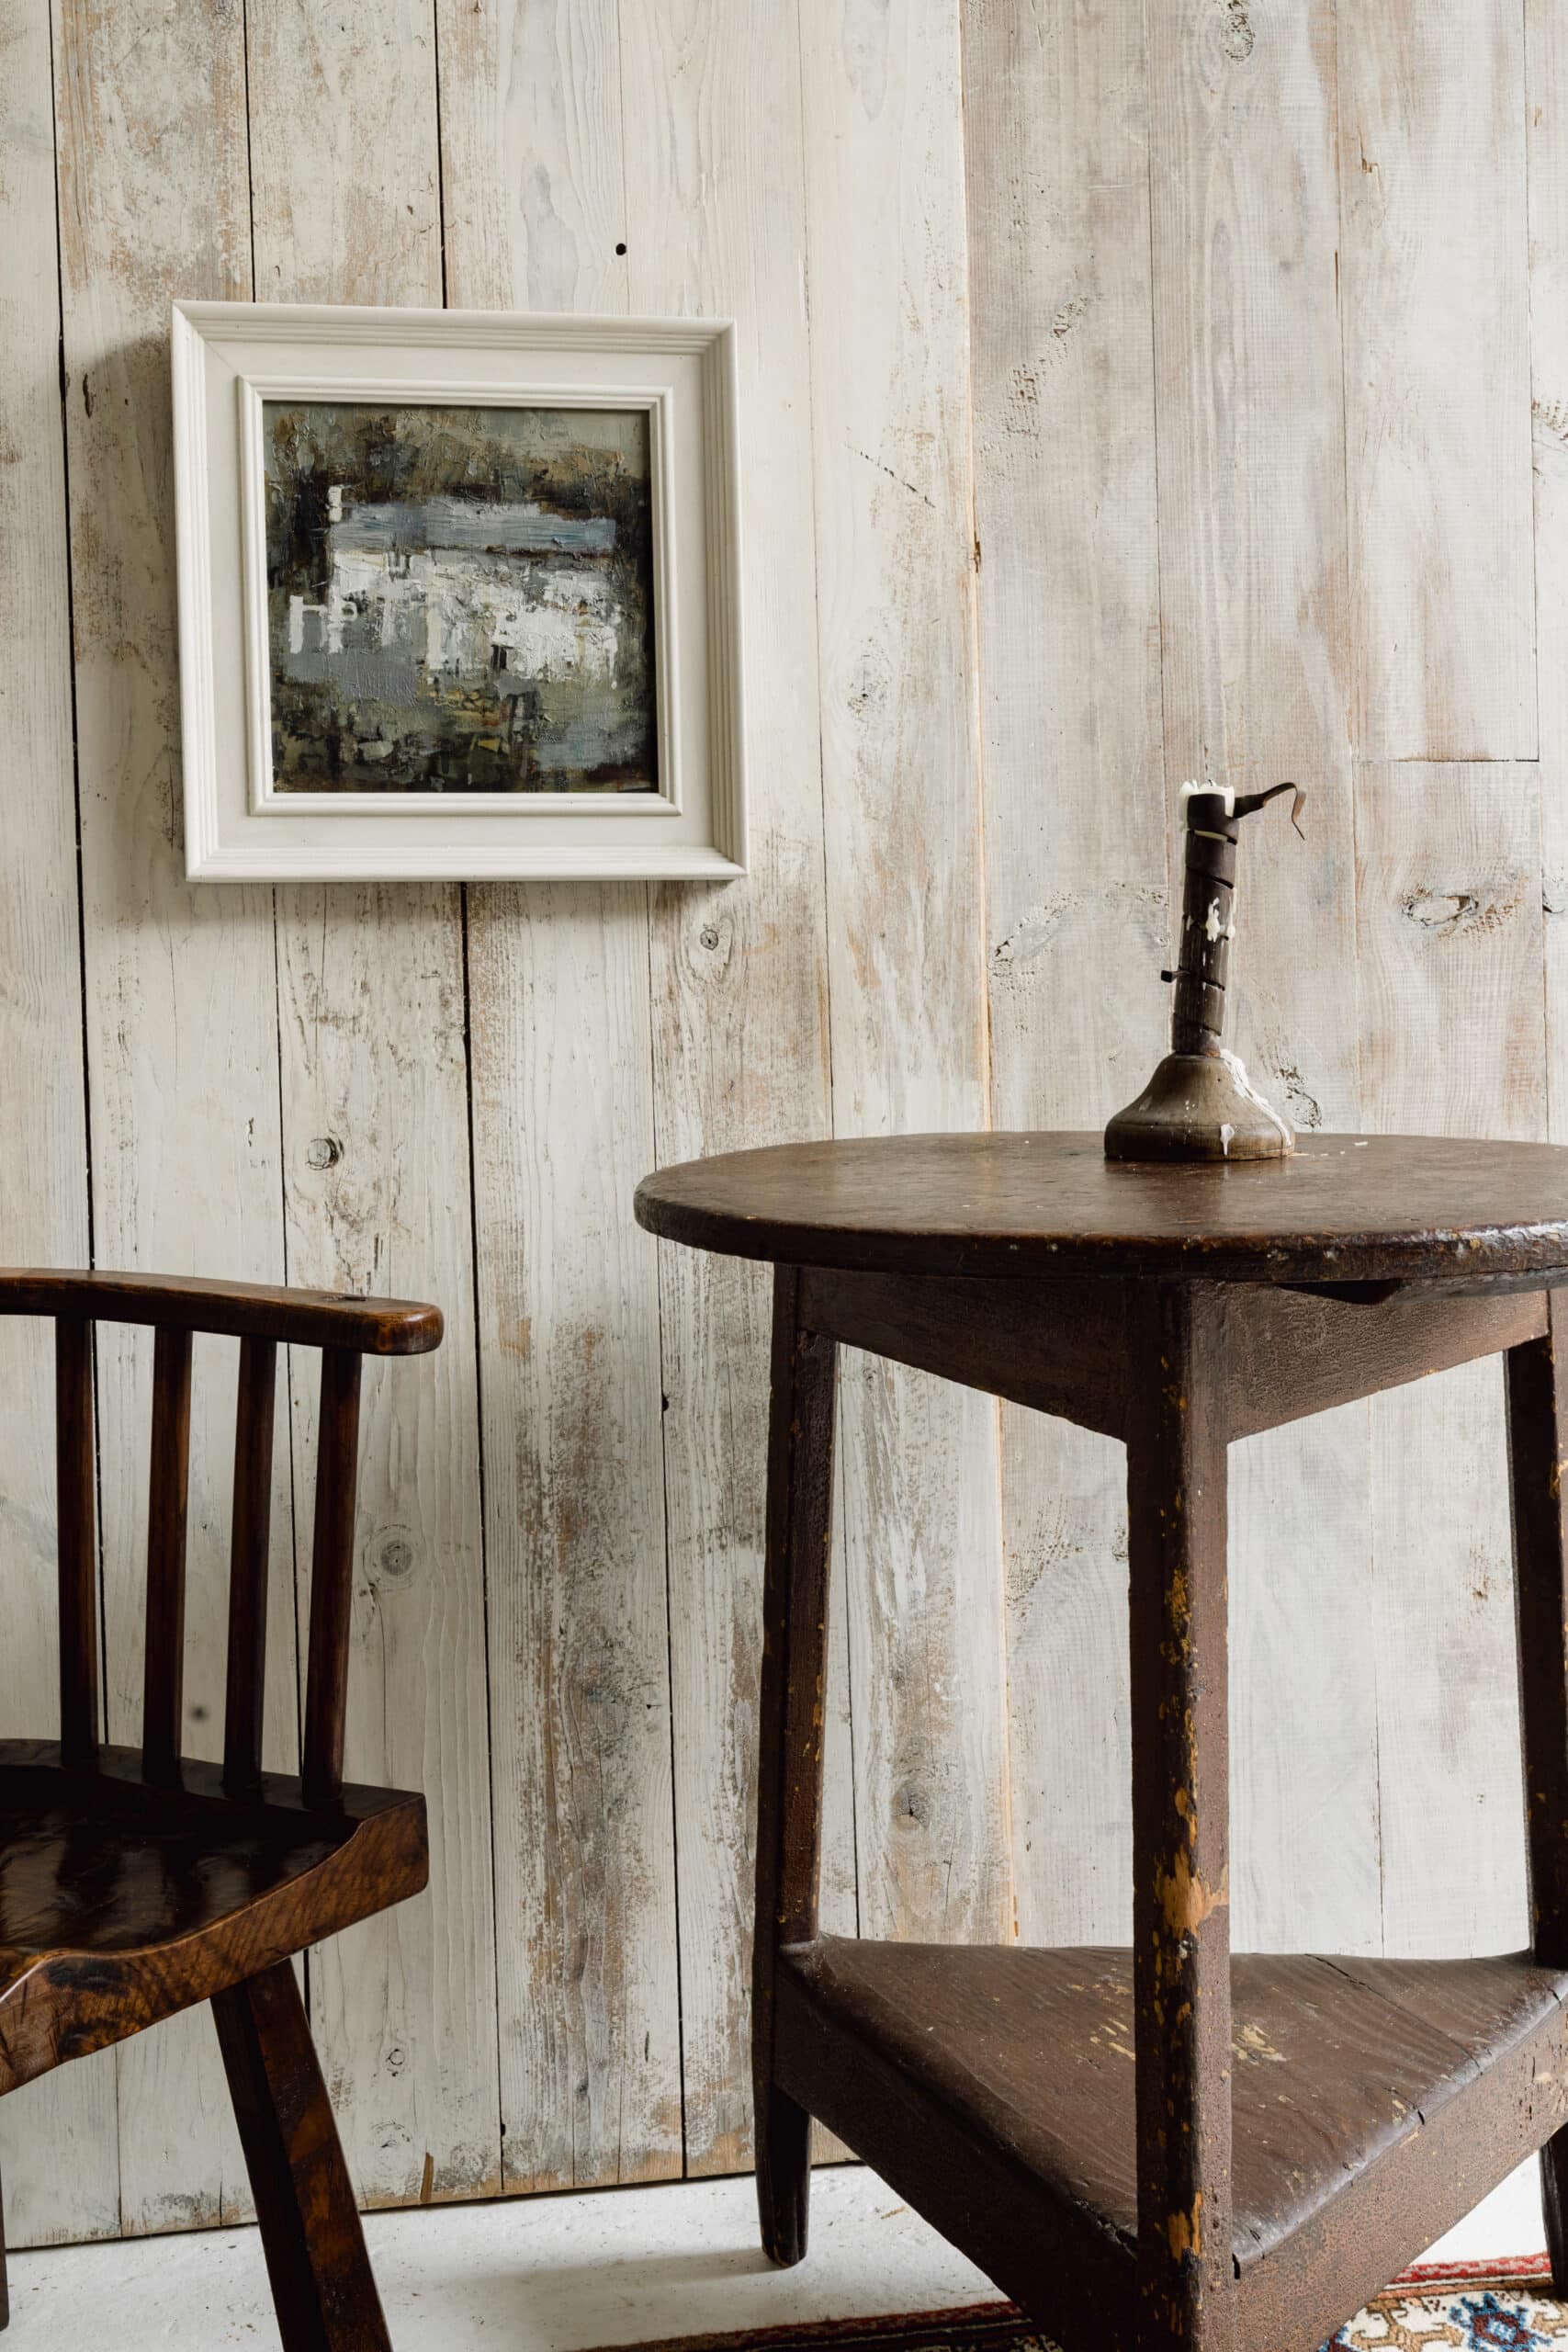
column 1176, row 1491
column 791, row 1714
column 1536, row 1378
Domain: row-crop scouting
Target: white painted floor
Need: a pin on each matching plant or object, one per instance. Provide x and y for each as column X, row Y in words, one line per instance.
column 560, row 2274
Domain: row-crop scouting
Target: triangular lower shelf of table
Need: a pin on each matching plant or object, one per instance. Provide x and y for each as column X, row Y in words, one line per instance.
column 993, row 2087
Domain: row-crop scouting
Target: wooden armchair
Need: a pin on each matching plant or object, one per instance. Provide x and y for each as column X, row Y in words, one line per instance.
column 135, row 1882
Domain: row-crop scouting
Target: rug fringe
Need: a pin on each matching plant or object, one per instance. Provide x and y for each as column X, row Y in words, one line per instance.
column 912, row 2331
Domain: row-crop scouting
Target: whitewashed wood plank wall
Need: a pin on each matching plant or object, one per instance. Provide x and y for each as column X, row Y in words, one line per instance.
column 1128, row 394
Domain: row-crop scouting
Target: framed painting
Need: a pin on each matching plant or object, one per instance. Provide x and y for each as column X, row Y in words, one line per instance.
column 459, row 594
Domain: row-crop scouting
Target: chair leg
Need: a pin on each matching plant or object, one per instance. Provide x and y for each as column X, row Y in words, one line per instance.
column 1536, row 1390
column 789, row 1780
column 322, row 2281
column 4, row 2283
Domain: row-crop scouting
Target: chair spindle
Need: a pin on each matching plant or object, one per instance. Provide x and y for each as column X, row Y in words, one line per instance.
column 248, row 1564
column 78, row 1549
column 332, row 1580
column 168, row 1485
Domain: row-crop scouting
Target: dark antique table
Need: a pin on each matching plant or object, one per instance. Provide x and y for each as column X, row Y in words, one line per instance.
column 1166, row 2198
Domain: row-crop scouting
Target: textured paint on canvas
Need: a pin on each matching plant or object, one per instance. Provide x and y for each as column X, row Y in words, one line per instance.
column 459, row 599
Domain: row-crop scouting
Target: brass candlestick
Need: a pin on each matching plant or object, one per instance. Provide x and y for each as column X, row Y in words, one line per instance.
column 1200, row 1103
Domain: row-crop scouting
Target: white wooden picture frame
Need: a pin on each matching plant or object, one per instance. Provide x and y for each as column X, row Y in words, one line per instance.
column 249, row 815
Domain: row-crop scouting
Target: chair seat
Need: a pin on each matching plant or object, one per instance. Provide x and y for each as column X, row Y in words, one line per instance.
column 122, row 1901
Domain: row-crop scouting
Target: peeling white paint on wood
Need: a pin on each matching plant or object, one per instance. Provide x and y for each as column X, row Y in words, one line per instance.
column 740, row 990
column 1075, row 843
column 920, row 1499
column 1546, row 94
column 181, row 1004
column 58, row 2150
column 1433, row 307
column 579, row 1717
column 1454, row 1043
column 562, row 1063
column 372, row 1087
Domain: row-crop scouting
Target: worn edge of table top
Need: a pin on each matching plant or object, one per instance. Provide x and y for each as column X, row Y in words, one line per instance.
column 960, row 1204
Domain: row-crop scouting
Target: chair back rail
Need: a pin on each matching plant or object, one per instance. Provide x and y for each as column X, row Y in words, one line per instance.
column 309, row 1318
column 345, row 1331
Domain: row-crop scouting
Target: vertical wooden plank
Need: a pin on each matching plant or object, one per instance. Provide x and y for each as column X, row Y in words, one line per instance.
column 1056, row 116
column 581, row 1772
column 58, row 2150
column 1305, row 1848
column 346, row 208
column 740, row 990
column 1546, row 91
column 1437, row 392
column 584, row 1861
column 1252, row 516
column 345, row 202
column 1546, row 115
column 1449, row 931
column 1243, row 171
column 378, row 1200
column 895, row 543
column 182, row 1032
column 1068, row 587
column 533, row 178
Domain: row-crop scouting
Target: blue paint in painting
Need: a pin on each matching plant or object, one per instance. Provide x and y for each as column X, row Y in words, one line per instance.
column 497, row 527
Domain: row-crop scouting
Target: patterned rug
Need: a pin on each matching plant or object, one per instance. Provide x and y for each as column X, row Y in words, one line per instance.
column 1502, row 2307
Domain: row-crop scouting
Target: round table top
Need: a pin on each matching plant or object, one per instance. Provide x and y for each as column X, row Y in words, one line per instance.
column 1340, row 1209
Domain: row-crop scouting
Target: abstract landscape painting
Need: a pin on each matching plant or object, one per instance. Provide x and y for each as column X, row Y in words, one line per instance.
column 459, row 599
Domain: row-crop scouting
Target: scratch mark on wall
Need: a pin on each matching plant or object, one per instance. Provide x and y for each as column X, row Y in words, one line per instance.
column 913, row 488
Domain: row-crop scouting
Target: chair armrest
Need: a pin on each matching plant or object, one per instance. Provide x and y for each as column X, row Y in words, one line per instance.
column 311, row 1319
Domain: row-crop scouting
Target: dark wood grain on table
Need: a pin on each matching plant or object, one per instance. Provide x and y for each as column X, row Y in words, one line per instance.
column 1170, row 2146
column 1341, row 1209
column 1006, row 2105
column 1067, row 1346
